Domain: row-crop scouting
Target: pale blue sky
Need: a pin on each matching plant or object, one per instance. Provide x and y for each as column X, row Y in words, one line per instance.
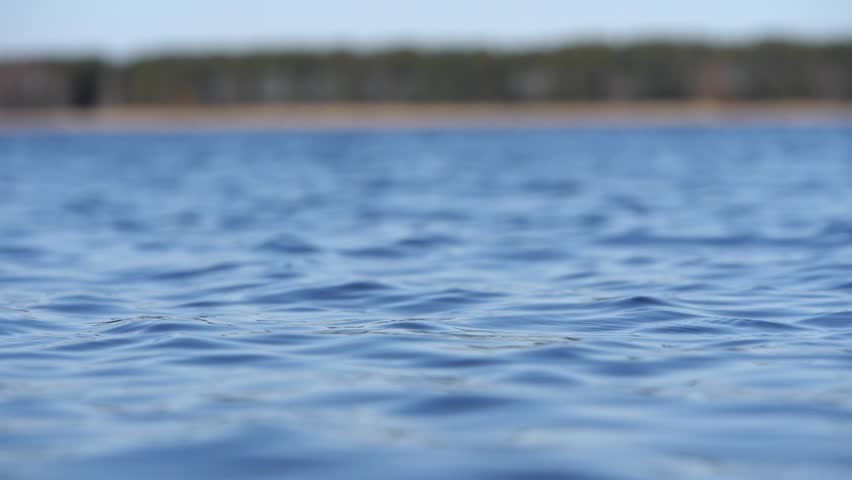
column 122, row 28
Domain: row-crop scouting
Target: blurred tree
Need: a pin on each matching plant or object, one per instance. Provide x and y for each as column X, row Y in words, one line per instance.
column 647, row 70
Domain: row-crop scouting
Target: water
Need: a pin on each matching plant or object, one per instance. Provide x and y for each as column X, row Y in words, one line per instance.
column 632, row 303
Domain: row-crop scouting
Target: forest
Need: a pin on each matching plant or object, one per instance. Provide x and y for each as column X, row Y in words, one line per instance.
column 586, row 71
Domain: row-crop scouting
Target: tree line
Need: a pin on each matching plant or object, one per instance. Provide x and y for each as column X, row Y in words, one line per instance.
column 649, row 70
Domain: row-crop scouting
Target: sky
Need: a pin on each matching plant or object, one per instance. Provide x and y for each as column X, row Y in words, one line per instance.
column 118, row 28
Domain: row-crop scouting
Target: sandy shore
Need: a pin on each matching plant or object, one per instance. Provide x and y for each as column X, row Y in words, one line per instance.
column 481, row 115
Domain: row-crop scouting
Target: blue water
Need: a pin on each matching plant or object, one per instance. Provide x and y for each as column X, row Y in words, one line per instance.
column 626, row 303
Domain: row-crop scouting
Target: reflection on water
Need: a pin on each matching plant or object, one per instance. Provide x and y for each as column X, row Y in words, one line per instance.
column 598, row 303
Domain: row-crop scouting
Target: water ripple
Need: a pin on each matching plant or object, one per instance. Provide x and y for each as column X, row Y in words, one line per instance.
column 542, row 303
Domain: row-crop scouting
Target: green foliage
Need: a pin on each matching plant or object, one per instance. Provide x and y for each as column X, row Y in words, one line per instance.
column 653, row 70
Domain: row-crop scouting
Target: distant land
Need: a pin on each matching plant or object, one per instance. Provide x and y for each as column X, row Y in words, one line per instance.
column 677, row 113
column 701, row 75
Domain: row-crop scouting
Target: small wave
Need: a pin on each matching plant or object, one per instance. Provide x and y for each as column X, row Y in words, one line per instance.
column 832, row 320
column 288, row 244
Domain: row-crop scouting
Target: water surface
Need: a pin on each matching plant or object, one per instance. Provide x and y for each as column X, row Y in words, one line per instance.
column 630, row 303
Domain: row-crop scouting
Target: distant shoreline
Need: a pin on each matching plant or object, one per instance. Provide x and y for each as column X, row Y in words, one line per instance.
column 446, row 115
